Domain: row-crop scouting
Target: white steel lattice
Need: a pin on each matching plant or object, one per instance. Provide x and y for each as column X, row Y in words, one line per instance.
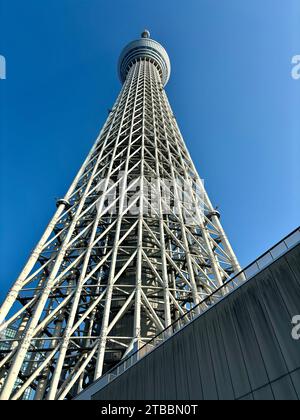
column 134, row 244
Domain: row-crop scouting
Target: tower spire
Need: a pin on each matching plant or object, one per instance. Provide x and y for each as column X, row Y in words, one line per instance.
column 146, row 33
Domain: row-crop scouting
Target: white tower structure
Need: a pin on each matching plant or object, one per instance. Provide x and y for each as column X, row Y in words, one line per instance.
column 134, row 244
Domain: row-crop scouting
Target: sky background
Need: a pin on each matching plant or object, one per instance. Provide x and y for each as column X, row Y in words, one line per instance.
column 231, row 90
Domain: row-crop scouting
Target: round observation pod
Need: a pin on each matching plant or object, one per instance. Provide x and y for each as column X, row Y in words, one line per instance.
column 145, row 48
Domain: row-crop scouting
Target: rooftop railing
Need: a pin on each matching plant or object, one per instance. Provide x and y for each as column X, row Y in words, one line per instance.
column 231, row 285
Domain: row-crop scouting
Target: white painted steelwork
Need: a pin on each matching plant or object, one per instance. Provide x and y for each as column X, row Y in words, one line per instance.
column 134, row 245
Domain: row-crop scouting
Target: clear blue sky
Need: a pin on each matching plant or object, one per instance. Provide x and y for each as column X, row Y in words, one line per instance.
column 231, row 90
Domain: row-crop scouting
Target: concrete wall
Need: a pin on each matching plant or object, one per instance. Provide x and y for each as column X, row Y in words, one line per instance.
column 240, row 349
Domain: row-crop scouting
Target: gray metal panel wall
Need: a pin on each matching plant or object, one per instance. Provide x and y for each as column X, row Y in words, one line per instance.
column 240, row 349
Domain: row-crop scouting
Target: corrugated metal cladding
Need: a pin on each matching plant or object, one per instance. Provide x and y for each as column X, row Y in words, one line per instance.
column 240, row 349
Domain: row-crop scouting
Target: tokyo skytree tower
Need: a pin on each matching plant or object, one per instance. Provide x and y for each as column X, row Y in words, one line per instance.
column 134, row 244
